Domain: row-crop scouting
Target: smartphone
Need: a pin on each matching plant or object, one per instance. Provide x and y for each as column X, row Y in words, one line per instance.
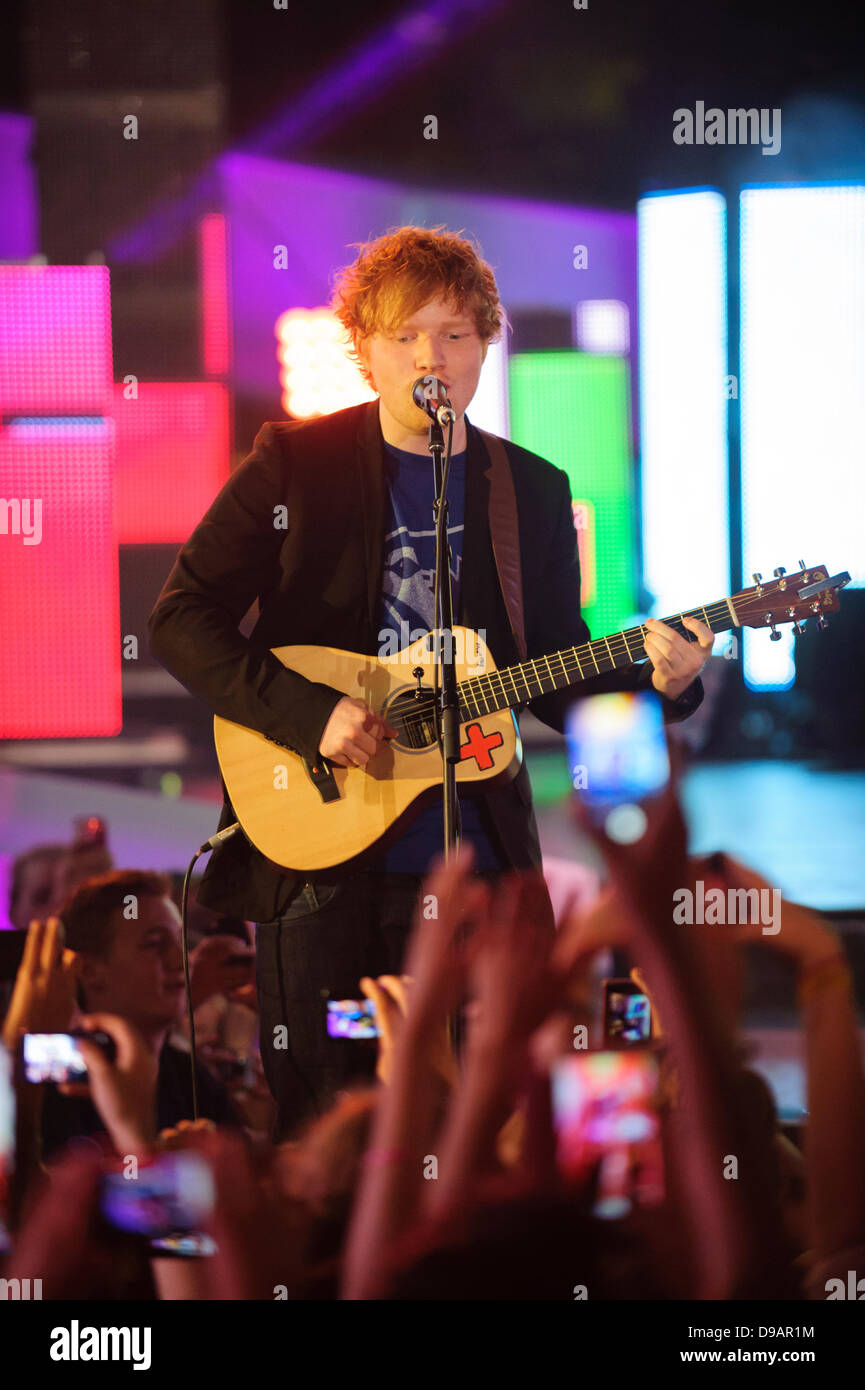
column 164, row 1204
column 57, row 1057
column 618, row 759
column 627, row 1014
column 606, row 1122
column 351, row 1018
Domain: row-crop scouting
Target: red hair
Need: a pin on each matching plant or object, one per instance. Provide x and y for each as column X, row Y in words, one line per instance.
column 399, row 272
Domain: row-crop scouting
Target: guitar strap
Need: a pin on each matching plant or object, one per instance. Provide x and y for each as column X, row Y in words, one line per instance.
column 504, row 530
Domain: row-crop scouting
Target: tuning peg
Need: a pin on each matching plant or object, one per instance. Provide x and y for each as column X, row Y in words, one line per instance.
column 798, row 628
column 757, row 578
column 822, row 623
column 774, row 635
column 779, row 571
column 801, row 564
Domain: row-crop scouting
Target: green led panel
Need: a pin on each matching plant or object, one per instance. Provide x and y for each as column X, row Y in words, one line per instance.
column 573, row 408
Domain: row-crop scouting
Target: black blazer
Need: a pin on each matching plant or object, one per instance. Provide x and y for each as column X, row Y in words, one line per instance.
column 317, row 577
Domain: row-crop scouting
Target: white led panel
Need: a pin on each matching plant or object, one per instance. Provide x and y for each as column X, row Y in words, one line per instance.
column 802, row 391
column 683, row 398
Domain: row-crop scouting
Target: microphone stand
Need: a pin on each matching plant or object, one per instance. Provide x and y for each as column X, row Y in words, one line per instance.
column 448, row 721
column 445, row 670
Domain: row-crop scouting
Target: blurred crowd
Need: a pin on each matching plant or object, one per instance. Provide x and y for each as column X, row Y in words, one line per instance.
column 511, row 1141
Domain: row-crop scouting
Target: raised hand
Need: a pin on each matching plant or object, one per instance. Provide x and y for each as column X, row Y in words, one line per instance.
column 57, row 1241
column 514, row 981
column 213, row 969
column 43, row 999
column 391, row 995
column 123, row 1090
column 806, row 937
column 450, row 901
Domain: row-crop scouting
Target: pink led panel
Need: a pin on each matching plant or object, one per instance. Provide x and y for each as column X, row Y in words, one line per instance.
column 172, row 457
column 55, row 339
column 59, row 600
column 215, row 321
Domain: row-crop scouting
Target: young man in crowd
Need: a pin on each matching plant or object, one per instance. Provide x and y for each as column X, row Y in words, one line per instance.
column 125, row 930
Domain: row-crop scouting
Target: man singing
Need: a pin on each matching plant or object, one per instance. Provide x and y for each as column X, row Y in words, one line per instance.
column 354, row 565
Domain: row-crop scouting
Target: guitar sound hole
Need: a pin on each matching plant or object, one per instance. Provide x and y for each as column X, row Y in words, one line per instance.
column 414, row 718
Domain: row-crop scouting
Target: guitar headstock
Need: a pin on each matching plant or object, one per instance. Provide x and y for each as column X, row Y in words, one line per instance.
column 790, row 598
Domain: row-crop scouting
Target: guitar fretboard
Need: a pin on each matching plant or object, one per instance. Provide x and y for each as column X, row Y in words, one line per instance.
column 516, row 685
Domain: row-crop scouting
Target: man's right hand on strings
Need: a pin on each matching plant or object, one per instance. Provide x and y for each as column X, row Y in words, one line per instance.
column 353, row 733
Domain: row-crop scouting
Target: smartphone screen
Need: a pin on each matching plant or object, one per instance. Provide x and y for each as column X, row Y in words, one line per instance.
column 52, row 1057
column 627, row 1014
column 618, row 758
column 605, row 1116
column 351, row 1018
column 165, row 1203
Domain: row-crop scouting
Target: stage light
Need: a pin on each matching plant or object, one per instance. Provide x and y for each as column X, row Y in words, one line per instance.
column 213, row 279
column 489, row 405
column 683, row 398
column 316, row 374
column 55, row 340
column 803, row 366
column 603, row 325
column 573, row 409
column 59, row 600
column 172, row 457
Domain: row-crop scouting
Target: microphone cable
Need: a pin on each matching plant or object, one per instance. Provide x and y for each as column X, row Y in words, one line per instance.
column 219, row 838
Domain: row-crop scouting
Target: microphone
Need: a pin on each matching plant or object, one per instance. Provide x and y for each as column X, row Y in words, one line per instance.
column 430, row 395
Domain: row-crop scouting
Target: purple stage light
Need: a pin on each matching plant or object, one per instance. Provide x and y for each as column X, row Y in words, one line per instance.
column 397, row 48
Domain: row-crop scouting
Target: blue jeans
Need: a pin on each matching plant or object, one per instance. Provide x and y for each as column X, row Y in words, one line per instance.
column 329, row 936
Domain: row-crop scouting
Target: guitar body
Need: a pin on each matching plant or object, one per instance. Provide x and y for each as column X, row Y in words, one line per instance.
column 284, row 813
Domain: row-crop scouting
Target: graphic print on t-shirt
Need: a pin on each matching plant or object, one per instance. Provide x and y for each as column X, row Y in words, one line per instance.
column 408, row 586
column 408, row 575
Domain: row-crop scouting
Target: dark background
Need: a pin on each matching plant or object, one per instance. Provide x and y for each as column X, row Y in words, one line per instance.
column 533, row 98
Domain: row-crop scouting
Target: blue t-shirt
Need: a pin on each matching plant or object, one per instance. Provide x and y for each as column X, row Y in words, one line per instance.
column 407, row 608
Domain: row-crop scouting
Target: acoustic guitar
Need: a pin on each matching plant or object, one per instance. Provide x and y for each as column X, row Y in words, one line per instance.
column 309, row 817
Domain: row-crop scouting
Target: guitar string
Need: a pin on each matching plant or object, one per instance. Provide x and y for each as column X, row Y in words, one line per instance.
column 568, row 659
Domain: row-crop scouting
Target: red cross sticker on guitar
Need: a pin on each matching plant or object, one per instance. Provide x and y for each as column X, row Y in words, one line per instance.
column 478, row 746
